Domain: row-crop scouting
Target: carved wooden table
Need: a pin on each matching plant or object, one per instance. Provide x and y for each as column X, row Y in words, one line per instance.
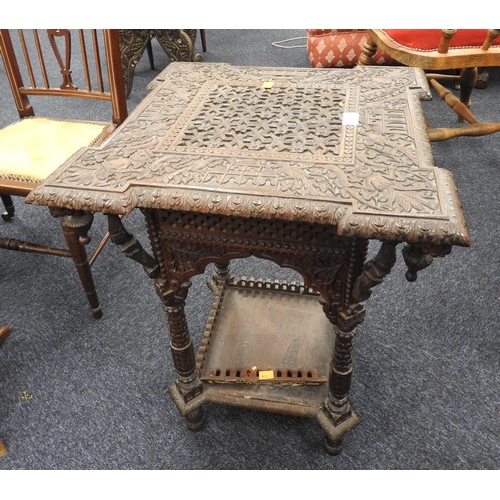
column 177, row 44
column 299, row 166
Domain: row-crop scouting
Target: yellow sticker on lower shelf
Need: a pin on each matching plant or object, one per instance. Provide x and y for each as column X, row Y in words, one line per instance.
column 266, row 374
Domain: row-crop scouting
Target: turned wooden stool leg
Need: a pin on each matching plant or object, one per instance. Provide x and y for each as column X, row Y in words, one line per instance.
column 483, row 76
column 468, row 78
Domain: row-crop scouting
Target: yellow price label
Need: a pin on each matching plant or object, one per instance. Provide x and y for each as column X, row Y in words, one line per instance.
column 266, row 374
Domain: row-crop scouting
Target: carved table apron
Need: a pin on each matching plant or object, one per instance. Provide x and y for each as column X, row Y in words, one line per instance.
column 299, row 166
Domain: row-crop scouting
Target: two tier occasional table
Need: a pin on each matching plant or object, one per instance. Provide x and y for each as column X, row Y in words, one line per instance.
column 298, row 166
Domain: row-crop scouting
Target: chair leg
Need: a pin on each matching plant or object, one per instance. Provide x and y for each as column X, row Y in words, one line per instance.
column 203, row 40
column 482, row 78
column 9, row 206
column 75, row 228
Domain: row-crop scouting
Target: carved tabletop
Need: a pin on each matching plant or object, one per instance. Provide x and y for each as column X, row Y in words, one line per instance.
column 211, row 137
column 298, row 166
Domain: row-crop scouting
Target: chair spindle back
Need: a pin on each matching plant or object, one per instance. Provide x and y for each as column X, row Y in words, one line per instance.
column 97, row 67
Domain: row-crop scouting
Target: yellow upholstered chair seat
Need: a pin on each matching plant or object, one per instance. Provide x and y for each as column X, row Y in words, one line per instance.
column 34, row 147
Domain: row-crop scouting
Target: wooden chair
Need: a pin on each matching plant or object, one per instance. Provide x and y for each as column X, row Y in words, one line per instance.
column 32, row 148
column 4, row 333
column 443, row 50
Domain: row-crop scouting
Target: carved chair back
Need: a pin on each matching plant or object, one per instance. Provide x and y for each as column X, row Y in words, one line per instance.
column 29, row 57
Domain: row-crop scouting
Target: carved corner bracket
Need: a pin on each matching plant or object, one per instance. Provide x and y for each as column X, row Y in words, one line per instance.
column 374, row 272
column 131, row 247
column 416, row 260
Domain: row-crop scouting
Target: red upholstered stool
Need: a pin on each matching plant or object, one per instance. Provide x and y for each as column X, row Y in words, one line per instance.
column 339, row 48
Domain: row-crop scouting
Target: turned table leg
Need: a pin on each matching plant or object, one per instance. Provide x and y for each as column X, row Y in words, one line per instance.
column 183, row 356
column 172, row 289
column 173, row 295
column 336, row 406
column 130, row 247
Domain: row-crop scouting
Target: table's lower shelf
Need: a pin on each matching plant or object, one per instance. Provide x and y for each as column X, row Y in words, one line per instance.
column 266, row 346
column 266, row 333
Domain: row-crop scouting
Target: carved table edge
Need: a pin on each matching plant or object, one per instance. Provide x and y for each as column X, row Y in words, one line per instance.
column 388, row 227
